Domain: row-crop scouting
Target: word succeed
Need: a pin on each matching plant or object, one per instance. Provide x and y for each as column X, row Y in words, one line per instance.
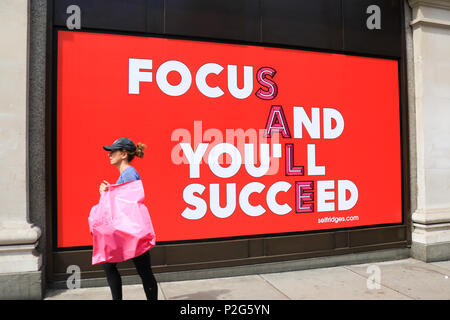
column 139, row 71
column 304, row 194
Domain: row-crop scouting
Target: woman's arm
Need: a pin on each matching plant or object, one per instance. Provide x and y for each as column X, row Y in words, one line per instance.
column 103, row 186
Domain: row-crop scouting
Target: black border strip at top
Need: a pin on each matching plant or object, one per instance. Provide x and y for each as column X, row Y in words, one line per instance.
column 336, row 24
column 402, row 110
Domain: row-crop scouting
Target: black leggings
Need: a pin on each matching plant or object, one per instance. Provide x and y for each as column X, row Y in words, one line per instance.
column 143, row 267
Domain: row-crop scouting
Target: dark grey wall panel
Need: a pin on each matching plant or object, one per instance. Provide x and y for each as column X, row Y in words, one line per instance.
column 305, row 23
column 338, row 25
column 234, row 20
column 155, row 16
column 206, row 252
column 299, row 243
column 129, row 15
column 384, row 41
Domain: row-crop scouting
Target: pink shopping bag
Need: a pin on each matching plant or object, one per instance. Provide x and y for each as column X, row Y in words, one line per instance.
column 120, row 224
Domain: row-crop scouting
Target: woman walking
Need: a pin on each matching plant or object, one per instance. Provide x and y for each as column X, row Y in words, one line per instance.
column 121, row 153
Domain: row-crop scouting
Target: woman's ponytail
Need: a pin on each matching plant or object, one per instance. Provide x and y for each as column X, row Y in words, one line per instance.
column 140, row 149
column 138, row 153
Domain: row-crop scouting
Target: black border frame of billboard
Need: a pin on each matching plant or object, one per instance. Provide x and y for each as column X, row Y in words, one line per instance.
column 51, row 103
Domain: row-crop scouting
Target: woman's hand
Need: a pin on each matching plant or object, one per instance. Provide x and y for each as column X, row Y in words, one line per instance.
column 104, row 186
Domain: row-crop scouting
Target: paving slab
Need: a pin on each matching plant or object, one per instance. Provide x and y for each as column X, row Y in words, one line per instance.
column 412, row 278
column 336, row 283
column 443, row 264
column 129, row 292
column 252, row 287
column 399, row 279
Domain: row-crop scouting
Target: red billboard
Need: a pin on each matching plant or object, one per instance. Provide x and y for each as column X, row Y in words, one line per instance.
column 242, row 140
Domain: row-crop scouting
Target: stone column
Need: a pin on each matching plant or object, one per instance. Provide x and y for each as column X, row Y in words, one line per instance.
column 431, row 48
column 20, row 277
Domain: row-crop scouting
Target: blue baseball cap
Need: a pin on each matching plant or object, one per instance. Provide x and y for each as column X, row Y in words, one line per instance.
column 121, row 143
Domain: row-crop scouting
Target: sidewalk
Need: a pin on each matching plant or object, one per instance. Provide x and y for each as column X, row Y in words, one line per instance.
column 399, row 280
